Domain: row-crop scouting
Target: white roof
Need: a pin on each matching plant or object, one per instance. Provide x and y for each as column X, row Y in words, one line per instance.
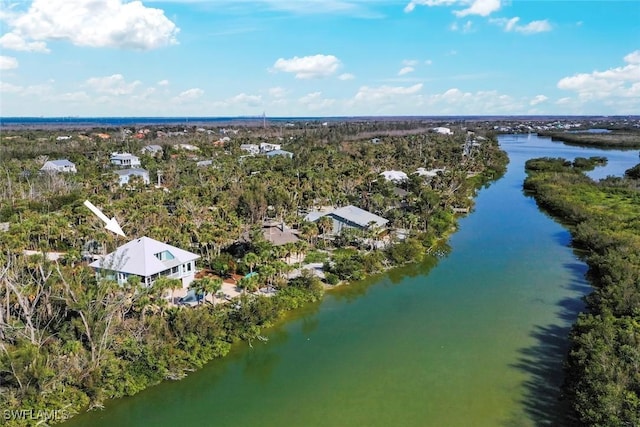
column 138, row 257
column 117, row 155
column 358, row 216
column 394, row 175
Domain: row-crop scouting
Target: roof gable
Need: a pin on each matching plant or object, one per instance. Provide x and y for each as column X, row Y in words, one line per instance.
column 358, row 216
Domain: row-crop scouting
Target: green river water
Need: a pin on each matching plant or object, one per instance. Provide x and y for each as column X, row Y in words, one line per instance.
column 476, row 339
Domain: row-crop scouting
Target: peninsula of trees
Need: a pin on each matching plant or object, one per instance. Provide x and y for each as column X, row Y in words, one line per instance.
column 69, row 339
column 603, row 369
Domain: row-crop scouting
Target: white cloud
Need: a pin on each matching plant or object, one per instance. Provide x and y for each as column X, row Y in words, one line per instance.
column 467, row 27
column 164, row 82
column 366, row 93
column 79, row 96
column 189, row 95
column 9, row 88
column 406, row 70
column 473, row 7
column 112, row 85
column 13, row 41
column 277, row 92
column 244, row 99
column 106, row 23
column 537, row 100
column 428, row 62
column 308, row 67
column 410, row 62
column 314, row 101
column 533, row 27
column 619, row 82
column 346, row 76
column 8, row 62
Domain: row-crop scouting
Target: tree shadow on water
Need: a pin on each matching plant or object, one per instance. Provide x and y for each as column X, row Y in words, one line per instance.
column 543, row 402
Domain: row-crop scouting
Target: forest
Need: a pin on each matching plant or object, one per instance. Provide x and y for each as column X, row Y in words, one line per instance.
column 603, row 365
column 69, row 339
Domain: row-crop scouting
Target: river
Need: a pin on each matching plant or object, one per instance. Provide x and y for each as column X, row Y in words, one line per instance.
column 477, row 339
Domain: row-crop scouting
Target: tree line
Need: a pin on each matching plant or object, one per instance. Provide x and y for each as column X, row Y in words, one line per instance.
column 603, row 364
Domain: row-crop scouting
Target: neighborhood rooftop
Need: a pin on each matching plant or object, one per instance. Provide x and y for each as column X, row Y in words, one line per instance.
column 358, row 216
column 143, row 256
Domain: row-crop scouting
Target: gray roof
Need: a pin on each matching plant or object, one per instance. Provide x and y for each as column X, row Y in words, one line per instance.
column 131, row 171
column 358, row 216
column 61, row 162
column 138, row 257
column 279, row 153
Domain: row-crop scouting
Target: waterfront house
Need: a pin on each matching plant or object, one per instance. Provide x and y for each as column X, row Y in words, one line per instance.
column 61, row 165
column 124, row 160
column 350, row 217
column 276, row 233
column 124, row 175
column 147, row 259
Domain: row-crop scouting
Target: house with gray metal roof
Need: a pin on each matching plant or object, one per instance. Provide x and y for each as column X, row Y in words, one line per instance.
column 61, row 165
column 124, row 175
column 352, row 217
column 148, row 259
column 124, row 160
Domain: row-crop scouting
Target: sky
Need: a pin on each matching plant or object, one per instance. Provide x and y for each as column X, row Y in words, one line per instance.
column 318, row 58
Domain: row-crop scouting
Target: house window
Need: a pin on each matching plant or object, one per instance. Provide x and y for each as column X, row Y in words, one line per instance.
column 189, row 266
column 174, row 270
column 164, row 256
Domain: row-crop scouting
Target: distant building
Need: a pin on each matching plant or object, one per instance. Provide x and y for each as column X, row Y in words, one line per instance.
column 442, row 130
column 350, row 217
column 428, row 173
column 276, row 233
column 265, row 147
column 395, row 176
column 148, row 259
column 250, row 148
column 63, row 137
column 124, row 175
column 61, row 165
column 278, row 152
column 124, row 160
column 154, row 150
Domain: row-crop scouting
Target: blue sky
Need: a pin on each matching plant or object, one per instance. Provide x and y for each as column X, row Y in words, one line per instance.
column 318, row 57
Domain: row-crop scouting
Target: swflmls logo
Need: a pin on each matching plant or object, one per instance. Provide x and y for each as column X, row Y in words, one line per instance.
column 36, row 414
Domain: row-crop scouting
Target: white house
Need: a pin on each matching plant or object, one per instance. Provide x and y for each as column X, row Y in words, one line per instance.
column 265, row 147
column 350, row 217
column 395, row 176
column 428, row 173
column 148, row 259
column 124, row 160
column 279, row 152
column 61, row 165
column 442, row 131
column 250, row 148
column 124, row 175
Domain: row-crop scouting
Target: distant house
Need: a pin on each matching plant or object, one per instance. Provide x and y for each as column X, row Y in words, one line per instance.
column 203, row 163
column 442, row 130
column 428, row 173
column 154, row 150
column 351, row 217
column 277, row 233
column 265, row 147
column 250, row 148
column 124, row 160
column 61, row 165
column 188, row 147
column 395, row 176
column 278, row 152
column 147, row 259
column 376, row 141
column 63, row 137
column 124, row 175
